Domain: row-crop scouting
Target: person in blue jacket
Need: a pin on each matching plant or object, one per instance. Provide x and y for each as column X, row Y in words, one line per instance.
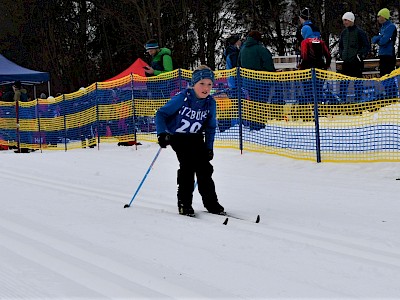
column 305, row 21
column 386, row 41
column 188, row 122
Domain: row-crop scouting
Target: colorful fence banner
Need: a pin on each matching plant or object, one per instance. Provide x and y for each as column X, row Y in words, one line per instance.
column 312, row 114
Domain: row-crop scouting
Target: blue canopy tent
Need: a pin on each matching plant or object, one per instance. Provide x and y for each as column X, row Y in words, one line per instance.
column 10, row 72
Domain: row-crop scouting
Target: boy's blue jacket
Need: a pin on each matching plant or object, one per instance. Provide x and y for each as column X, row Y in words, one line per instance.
column 386, row 39
column 187, row 114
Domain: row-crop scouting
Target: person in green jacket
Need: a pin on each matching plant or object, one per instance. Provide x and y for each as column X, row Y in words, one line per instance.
column 254, row 56
column 161, row 59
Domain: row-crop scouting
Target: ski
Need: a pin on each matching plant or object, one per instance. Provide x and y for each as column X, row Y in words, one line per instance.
column 228, row 215
column 196, row 216
column 256, row 220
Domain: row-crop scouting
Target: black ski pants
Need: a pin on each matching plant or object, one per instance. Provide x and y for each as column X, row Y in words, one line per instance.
column 193, row 160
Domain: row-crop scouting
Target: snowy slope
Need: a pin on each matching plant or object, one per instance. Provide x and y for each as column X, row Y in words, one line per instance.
column 326, row 231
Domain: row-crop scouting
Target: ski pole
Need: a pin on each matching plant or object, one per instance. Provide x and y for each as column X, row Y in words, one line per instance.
column 144, row 178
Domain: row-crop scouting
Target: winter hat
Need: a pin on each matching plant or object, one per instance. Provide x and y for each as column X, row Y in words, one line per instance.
column 201, row 74
column 17, row 84
column 255, row 35
column 349, row 16
column 384, row 12
column 232, row 39
column 151, row 44
column 305, row 14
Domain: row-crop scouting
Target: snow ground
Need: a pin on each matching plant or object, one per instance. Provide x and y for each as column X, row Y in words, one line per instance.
column 327, row 231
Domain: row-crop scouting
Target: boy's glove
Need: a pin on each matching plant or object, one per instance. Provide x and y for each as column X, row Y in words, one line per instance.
column 210, row 154
column 164, row 139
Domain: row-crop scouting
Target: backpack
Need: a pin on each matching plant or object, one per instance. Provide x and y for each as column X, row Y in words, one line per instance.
column 159, row 65
column 175, row 65
column 314, row 54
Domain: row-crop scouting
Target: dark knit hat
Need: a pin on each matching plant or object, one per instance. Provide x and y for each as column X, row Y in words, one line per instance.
column 151, row 44
column 201, row 74
column 17, row 84
column 232, row 39
column 305, row 14
column 255, row 34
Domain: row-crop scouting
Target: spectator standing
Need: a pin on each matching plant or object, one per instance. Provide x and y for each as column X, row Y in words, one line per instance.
column 314, row 52
column 8, row 95
column 188, row 122
column 20, row 93
column 161, row 59
column 161, row 63
column 305, row 20
column 231, row 53
column 255, row 56
column 354, row 47
column 231, row 56
column 386, row 41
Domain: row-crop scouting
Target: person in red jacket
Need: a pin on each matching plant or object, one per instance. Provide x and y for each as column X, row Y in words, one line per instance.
column 314, row 52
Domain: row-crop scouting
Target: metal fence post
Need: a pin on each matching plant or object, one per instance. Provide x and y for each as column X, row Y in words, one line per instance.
column 316, row 119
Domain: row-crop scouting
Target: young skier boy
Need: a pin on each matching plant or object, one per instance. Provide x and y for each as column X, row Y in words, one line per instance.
column 187, row 123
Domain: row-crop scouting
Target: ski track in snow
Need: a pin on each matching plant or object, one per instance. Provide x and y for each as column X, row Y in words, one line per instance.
column 104, row 278
column 330, row 242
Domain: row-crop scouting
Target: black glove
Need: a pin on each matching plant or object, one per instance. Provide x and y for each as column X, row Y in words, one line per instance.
column 210, row 154
column 164, row 139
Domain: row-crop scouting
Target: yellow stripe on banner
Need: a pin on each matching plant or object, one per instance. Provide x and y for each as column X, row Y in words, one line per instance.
column 82, row 118
column 52, row 124
column 148, row 107
column 8, row 123
column 116, row 111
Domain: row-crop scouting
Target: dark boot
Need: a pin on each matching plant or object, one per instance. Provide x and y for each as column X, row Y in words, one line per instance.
column 186, row 210
column 215, row 208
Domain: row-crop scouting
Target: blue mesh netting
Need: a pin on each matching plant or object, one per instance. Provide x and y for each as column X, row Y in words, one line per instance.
column 308, row 114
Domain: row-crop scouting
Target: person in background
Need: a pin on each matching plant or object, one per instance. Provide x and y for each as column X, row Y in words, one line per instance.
column 231, row 55
column 188, row 122
column 8, row 95
column 161, row 59
column 20, row 93
column 161, row 63
column 305, row 20
column 255, row 56
column 314, row 52
column 386, row 41
column 354, row 47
